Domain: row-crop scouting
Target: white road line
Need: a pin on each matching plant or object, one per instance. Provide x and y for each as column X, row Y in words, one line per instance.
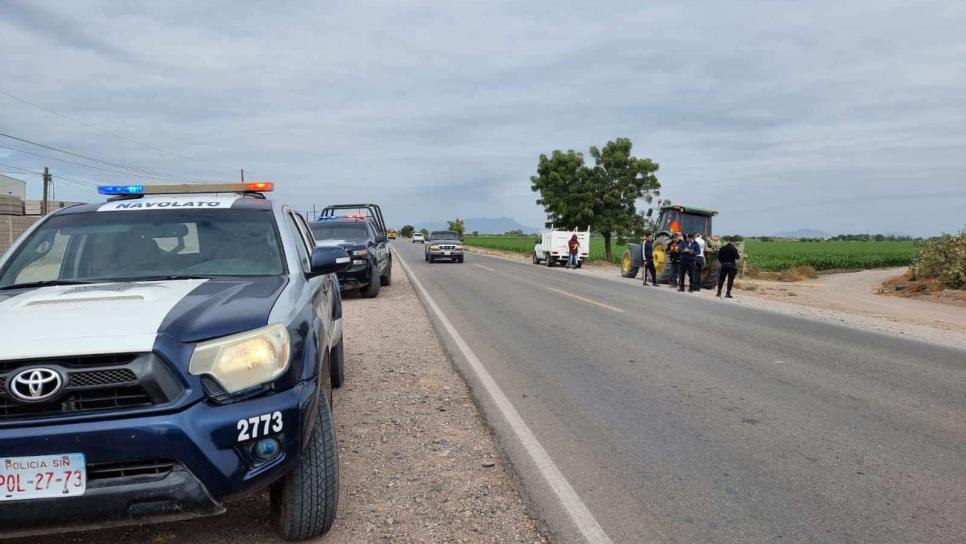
column 587, row 300
column 579, row 514
column 484, row 267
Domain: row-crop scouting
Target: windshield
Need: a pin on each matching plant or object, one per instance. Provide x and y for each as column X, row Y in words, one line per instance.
column 444, row 235
column 351, row 232
column 675, row 221
column 128, row 246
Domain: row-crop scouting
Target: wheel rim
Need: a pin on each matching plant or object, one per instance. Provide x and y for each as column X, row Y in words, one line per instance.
column 660, row 257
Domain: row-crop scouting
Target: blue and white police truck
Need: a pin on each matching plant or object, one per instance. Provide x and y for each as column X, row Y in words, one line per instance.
column 165, row 353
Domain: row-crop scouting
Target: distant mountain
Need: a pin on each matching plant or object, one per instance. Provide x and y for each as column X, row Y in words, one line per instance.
column 483, row 225
column 802, row 233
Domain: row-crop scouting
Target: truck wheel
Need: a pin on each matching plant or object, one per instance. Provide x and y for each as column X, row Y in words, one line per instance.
column 371, row 290
column 305, row 501
column 628, row 270
column 460, row 260
column 551, row 261
column 387, row 279
column 536, row 260
column 337, row 365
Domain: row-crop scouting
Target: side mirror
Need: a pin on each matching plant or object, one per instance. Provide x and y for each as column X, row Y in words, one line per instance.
column 650, row 212
column 329, row 260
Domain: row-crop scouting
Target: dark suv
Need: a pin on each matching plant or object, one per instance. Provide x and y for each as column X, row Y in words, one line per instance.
column 371, row 266
column 162, row 355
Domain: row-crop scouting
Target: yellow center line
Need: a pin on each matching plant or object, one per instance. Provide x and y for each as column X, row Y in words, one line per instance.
column 587, row 300
column 484, row 267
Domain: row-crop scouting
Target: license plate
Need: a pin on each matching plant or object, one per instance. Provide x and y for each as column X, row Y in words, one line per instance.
column 42, row 477
column 446, row 253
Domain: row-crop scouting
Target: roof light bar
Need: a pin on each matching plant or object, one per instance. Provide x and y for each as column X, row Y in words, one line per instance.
column 244, row 187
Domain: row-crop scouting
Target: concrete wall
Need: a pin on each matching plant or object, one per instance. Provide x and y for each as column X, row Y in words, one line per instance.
column 12, row 226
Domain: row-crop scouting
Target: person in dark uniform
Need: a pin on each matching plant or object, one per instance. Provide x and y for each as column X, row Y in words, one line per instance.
column 674, row 258
column 728, row 257
column 687, row 263
column 649, row 259
column 697, row 260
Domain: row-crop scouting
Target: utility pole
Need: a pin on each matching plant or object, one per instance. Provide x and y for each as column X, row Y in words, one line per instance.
column 243, row 174
column 45, row 203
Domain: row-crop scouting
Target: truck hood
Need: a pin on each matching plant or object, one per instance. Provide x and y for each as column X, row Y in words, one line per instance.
column 128, row 317
column 445, row 241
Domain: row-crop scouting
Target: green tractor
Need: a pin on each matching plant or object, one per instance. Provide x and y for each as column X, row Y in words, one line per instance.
column 684, row 219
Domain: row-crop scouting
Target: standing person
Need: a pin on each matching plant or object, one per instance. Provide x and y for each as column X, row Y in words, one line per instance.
column 649, row 259
column 674, row 258
column 728, row 257
column 687, row 263
column 699, row 259
column 573, row 247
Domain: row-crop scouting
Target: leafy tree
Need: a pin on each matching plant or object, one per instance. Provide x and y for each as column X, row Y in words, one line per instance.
column 406, row 231
column 476, row 233
column 424, row 231
column 514, row 232
column 603, row 196
column 457, row 225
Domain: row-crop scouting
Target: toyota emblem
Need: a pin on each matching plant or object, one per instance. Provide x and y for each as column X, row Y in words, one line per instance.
column 36, row 384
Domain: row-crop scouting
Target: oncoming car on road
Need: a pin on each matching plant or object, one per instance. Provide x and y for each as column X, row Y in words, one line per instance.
column 444, row 244
column 418, row 238
column 165, row 353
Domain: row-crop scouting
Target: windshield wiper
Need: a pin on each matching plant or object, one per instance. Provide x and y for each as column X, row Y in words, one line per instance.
column 45, row 283
column 162, row 277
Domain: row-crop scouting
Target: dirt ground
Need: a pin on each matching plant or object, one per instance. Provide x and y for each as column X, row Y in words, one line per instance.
column 847, row 298
column 418, row 465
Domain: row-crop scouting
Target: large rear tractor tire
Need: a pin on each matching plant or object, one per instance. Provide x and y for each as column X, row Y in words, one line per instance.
column 628, row 270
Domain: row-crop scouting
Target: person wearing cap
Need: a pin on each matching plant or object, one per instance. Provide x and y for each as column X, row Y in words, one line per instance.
column 648, row 251
column 687, row 252
column 728, row 257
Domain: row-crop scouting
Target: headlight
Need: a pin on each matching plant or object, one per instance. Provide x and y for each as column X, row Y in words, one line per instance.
column 360, row 252
column 243, row 360
column 434, row 246
column 458, row 248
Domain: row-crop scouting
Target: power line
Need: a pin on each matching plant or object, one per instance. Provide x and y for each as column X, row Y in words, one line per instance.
column 88, row 125
column 171, row 177
column 77, row 163
column 20, row 170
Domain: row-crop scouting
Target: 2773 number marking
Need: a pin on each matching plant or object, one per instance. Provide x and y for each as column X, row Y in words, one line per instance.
column 257, row 426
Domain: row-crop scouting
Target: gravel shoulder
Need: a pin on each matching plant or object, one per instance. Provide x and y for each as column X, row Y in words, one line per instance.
column 418, row 464
column 847, row 298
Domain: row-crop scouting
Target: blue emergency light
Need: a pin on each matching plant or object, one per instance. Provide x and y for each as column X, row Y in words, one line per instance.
column 120, row 189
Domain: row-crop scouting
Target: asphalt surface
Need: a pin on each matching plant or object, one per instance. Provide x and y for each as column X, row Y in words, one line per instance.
column 683, row 418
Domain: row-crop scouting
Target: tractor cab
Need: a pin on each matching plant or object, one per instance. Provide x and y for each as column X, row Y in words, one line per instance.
column 684, row 219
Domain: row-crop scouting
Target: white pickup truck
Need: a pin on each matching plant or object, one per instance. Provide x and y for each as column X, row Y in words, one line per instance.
column 552, row 247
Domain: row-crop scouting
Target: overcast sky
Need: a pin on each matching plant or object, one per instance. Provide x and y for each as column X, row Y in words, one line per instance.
column 841, row 116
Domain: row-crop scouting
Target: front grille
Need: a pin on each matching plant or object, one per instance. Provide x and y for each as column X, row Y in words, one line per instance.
column 153, row 467
column 92, row 383
column 102, row 377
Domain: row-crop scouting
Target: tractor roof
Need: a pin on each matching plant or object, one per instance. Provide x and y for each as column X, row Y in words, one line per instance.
column 688, row 209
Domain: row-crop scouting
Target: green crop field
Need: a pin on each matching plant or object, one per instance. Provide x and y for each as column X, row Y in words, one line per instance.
column 774, row 255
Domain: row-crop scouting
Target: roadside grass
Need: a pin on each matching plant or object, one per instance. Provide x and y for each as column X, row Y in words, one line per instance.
column 773, row 256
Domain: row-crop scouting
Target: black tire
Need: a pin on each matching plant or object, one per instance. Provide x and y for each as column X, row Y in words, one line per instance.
column 460, row 260
column 551, row 261
column 387, row 278
column 304, row 503
column 628, row 271
column 580, row 263
column 536, row 260
column 431, row 259
column 337, row 365
column 371, row 290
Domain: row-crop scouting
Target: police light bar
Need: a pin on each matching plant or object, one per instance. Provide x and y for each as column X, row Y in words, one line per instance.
column 245, row 187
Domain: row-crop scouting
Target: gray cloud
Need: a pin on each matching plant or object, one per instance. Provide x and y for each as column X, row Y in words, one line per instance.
column 763, row 110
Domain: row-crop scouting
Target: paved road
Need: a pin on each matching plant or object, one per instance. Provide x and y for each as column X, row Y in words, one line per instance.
column 679, row 418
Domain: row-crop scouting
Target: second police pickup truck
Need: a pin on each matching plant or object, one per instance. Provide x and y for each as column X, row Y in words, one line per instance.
column 363, row 236
column 166, row 353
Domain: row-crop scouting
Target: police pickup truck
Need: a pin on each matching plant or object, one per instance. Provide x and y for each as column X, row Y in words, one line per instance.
column 165, row 353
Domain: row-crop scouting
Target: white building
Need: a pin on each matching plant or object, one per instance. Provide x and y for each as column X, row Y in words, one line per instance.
column 13, row 187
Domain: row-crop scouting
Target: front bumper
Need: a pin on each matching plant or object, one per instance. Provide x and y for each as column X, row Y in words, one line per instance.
column 356, row 276
column 448, row 254
column 210, row 465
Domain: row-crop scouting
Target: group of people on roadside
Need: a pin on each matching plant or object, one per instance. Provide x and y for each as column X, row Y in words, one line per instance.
column 686, row 256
